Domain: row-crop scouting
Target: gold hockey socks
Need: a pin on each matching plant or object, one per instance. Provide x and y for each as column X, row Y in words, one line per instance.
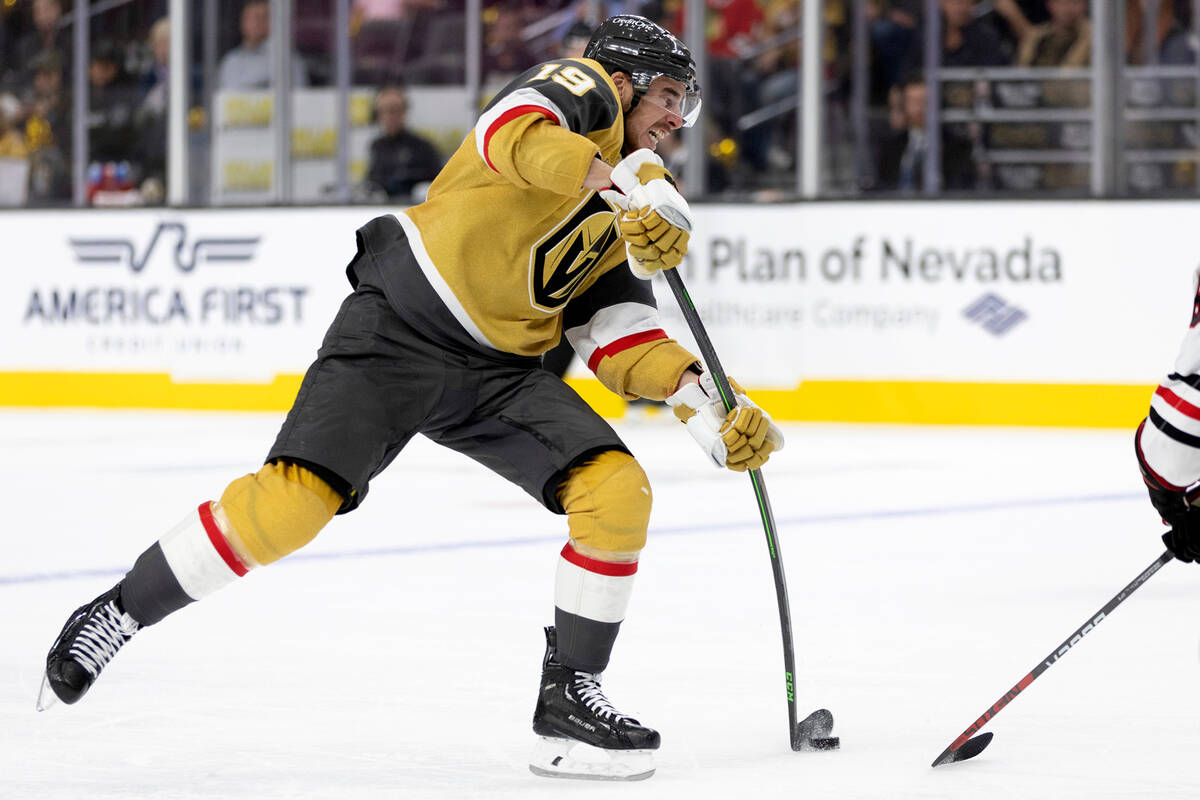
column 607, row 501
column 278, row 510
column 260, row 518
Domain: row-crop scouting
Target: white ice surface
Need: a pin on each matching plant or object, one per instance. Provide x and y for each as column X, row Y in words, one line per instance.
column 397, row 656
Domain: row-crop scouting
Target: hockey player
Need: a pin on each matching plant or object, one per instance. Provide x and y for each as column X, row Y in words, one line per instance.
column 1168, row 448
column 454, row 302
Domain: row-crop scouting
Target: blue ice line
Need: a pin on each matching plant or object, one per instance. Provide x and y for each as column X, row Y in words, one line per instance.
column 811, row 519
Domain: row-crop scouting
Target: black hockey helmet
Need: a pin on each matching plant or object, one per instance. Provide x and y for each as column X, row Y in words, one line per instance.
column 646, row 50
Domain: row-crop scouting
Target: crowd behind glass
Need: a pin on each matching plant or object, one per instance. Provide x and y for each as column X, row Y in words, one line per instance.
column 1013, row 88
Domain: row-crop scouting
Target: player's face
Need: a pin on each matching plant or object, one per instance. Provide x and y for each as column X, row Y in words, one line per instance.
column 657, row 114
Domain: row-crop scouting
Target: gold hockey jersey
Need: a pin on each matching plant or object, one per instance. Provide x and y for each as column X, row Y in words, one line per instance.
column 507, row 227
column 516, row 250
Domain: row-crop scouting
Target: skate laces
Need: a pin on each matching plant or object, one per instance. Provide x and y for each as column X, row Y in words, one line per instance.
column 101, row 637
column 587, row 686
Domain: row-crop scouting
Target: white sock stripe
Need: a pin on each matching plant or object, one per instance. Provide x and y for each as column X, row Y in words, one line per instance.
column 603, row 598
column 193, row 560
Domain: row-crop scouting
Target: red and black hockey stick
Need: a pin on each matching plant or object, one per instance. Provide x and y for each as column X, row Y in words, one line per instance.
column 814, row 731
column 967, row 745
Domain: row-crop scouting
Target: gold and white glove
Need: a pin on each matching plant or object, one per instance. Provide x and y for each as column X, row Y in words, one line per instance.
column 741, row 439
column 654, row 219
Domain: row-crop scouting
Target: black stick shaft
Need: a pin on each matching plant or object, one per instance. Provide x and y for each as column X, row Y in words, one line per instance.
column 1052, row 658
column 675, row 281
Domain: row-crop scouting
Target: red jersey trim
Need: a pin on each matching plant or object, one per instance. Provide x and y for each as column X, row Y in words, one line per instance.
column 504, row 119
column 624, row 343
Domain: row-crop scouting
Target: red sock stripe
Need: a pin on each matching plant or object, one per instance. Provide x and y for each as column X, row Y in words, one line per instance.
column 219, row 542
column 613, row 568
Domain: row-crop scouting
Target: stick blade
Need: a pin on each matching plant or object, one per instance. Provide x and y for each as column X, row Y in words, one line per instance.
column 814, row 732
column 969, row 749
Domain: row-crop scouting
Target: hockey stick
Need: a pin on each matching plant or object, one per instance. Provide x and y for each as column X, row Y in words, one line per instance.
column 965, row 746
column 812, row 732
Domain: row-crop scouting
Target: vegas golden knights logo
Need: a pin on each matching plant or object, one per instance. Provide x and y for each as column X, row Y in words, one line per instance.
column 565, row 258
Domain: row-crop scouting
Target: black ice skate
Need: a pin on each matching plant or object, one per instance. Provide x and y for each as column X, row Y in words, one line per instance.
column 89, row 640
column 580, row 734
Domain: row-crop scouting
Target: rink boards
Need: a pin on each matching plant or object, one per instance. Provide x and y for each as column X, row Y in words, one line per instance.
column 1062, row 313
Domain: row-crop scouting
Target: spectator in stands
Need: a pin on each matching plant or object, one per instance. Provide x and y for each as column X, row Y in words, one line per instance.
column 773, row 80
column 575, row 40
column 1013, row 19
column 14, row 162
column 505, row 52
column 1172, row 39
column 400, row 160
column 667, row 13
column 580, row 15
column 249, row 65
column 903, row 151
column 46, row 112
column 158, row 42
column 48, row 34
column 11, row 22
column 151, row 116
column 389, row 35
column 112, row 101
column 734, row 34
column 1170, row 45
column 891, row 32
column 12, row 143
column 45, row 106
column 967, row 41
column 1064, row 41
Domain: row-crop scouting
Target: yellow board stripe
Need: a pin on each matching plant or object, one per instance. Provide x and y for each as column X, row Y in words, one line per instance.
column 142, row 390
column 953, row 403
column 912, row 402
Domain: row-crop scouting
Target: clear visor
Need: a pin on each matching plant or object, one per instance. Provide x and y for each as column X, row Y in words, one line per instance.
column 673, row 97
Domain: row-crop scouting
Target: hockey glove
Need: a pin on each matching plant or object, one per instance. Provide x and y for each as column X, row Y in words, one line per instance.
column 653, row 217
column 741, row 439
column 1184, row 518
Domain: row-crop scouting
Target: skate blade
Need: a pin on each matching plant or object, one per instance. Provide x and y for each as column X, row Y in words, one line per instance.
column 46, row 697
column 567, row 758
